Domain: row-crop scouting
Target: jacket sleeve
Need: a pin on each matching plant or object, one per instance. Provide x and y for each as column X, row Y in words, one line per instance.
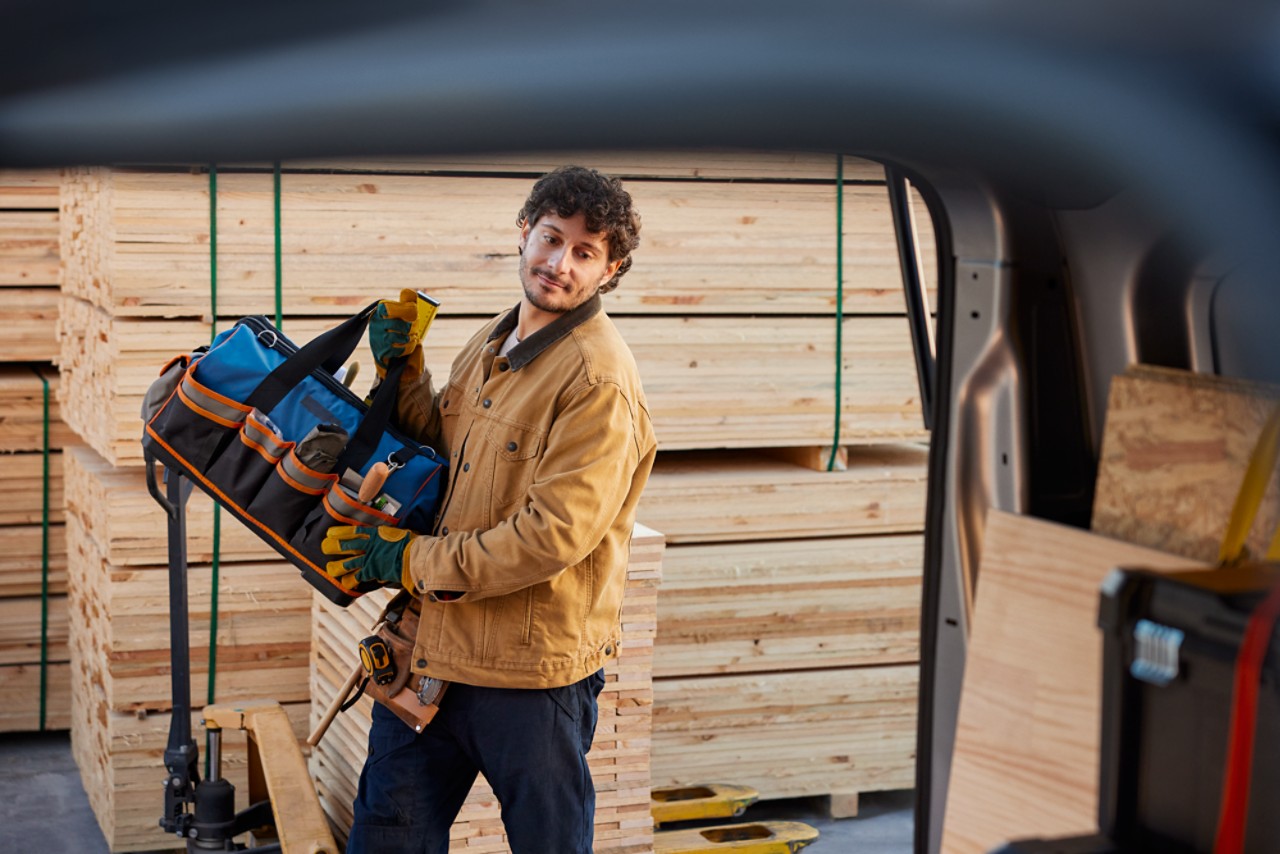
column 580, row 485
column 418, row 411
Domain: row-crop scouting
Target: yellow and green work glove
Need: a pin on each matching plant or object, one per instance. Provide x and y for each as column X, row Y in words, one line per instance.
column 397, row 329
column 368, row 553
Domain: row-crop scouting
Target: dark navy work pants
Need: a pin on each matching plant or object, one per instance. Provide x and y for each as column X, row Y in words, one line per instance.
column 531, row 745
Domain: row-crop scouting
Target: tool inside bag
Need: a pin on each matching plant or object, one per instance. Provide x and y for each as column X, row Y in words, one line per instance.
column 385, row 672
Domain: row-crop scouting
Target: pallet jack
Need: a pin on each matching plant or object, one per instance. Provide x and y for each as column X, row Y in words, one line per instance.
column 717, row 801
column 284, row 813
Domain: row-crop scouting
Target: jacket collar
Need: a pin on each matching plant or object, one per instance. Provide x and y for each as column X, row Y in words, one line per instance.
column 528, row 349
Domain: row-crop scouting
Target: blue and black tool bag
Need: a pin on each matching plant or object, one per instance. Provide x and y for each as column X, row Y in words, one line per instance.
column 267, row 429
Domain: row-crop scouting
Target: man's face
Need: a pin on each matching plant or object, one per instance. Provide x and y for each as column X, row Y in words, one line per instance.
column 562, row 264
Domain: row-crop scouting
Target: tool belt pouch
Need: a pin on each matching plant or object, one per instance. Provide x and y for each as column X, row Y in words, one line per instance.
column 266, row 428
column 413, row 698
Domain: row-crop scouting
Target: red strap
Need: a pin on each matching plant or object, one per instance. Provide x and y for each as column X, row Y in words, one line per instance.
column 1234, row 811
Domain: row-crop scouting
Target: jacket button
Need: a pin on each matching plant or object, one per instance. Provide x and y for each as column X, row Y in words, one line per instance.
column 504, row 367
column 487, row 403
column 444, row 532
column 444, row 405
column 608, row 650
column 420, row 663
column 466, row 466
column 511, row 446
column 422, row 587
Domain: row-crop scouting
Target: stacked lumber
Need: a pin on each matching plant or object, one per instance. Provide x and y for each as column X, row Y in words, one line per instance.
column 619, row 757
column 731, row 310
column 29, row 237
column 118, row 596
column 33, row 567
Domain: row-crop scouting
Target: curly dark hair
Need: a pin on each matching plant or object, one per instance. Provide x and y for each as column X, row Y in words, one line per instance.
column 601, row 200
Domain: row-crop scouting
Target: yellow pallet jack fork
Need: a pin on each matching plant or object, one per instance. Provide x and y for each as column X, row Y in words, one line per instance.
column 693, row 803
column 719, row 800
column 763, row 837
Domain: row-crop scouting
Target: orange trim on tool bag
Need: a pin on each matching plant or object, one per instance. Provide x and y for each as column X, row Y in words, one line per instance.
column 302, row 487
column 262, row 451
column 335, row 514
column 204, row 413
column 190, row 472
column 365, row 508
column 181, row 357
column 204, row 389
column 425, row 482
column 270, row 434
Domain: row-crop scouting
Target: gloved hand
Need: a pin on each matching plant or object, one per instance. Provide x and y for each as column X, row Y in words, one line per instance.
column 396, row 329
column 370, row 553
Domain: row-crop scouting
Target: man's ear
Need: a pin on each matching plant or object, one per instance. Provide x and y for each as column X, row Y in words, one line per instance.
column 611, row 271
column 524, row 238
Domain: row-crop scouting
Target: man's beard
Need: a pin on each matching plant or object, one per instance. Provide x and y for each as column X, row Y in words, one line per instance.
column 528, row 281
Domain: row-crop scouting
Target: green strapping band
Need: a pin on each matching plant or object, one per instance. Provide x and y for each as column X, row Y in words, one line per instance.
column 44, row 560
column 835, row 441
column 217, row 514
column 279, row 266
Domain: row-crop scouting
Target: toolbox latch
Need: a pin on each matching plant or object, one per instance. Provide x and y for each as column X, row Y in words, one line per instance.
column 1155, row 656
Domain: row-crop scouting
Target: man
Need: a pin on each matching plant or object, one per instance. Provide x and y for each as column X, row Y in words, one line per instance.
column 548, row 437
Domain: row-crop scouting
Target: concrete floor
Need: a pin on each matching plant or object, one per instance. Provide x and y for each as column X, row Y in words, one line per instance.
column 44, row 810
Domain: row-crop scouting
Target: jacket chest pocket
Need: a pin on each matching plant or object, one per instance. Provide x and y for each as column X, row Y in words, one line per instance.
column 514, row 453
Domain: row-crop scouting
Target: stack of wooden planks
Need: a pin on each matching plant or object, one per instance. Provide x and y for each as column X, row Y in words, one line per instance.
column 34, row 672
column 29, row 230
column 121, row 686
column 1174, row 452
column 619, row 757
column 732, row 312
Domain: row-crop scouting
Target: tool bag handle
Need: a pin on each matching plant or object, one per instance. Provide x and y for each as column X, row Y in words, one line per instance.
column 328, row 351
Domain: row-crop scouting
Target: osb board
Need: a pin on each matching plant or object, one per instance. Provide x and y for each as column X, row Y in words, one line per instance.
column 1026, row 754
column 839, row 731
column 137, row 243
column 743, row 607
column 1174, row 452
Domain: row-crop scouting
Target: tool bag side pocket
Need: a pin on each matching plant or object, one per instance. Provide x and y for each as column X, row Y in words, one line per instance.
column 290, row 492
column 195, row 423
column 247, row 463
column 338, row 507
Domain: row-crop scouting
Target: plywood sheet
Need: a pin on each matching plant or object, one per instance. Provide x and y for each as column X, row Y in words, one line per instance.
column 1027, row 739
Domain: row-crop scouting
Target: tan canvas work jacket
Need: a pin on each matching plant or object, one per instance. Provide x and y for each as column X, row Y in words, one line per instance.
column 549, row 448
